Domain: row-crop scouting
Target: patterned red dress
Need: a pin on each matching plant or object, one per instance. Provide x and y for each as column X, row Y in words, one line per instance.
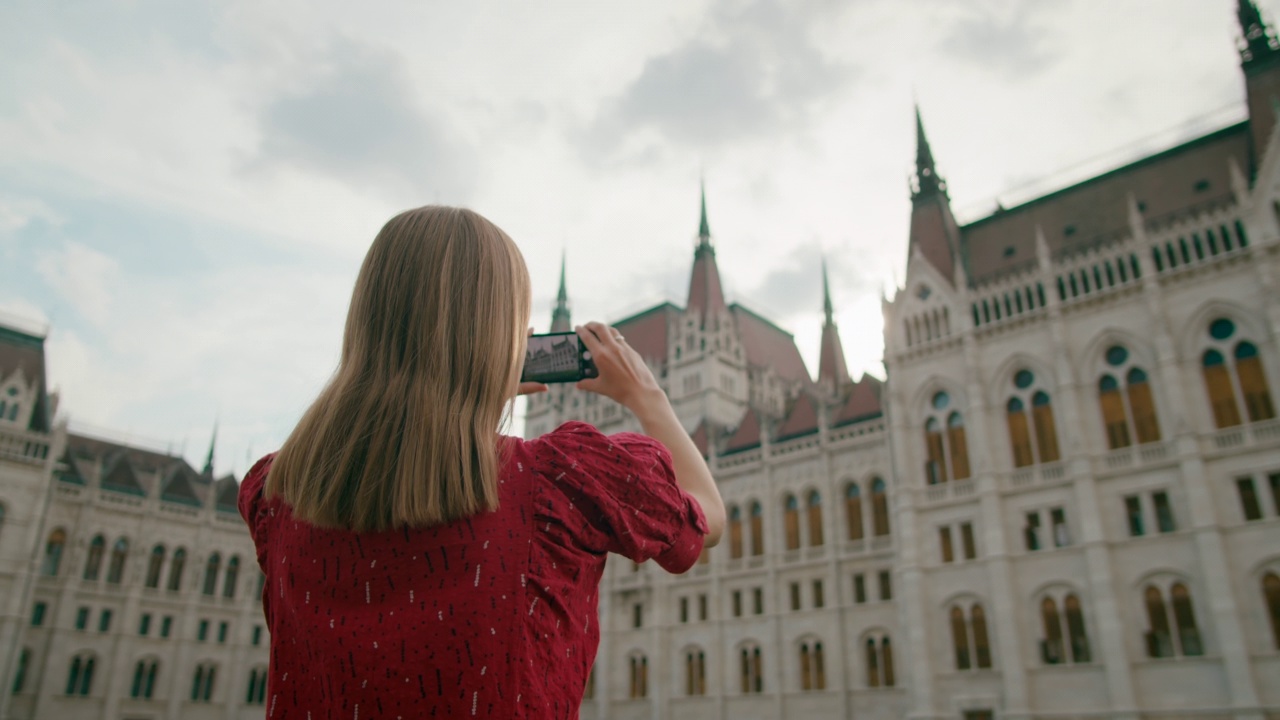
column 494, row 616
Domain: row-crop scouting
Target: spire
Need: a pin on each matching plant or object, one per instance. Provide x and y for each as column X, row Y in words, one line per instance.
column 833, row 373
column 1259, row 40
column 560, row 315
column 927, row 181
column 706, row 296
column 208, row 462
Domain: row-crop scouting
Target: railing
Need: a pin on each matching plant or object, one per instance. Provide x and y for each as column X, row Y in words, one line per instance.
column 1242, row 436
column 24, row 447
column 1136, row 455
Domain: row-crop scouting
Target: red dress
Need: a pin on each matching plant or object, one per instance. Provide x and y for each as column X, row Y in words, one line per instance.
column 494, row 616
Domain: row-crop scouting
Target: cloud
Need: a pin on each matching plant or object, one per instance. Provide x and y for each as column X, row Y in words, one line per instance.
column 359, row 120
column 1014, row 44
column 794, row 285
column 83, row 277
column 17, row 212
column 752, row 71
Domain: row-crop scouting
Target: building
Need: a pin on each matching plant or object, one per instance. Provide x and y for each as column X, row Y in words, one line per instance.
column 129, row 585
column 1063, row 503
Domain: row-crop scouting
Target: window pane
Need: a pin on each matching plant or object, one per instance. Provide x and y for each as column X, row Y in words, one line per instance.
column 1253, row 383
column 1133, row 512
column 1164, row 513
column 966, row 537
column 1222, row 397
column 944, row 540
column 1248, row 499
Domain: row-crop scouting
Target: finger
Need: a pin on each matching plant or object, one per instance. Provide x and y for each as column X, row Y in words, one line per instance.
column 606, row 334
column 590, row 338
column 529, row 388
column 530, row 332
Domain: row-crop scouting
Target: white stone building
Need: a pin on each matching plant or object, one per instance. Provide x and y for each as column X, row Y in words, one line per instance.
column 128, row 583
column 1064, row 502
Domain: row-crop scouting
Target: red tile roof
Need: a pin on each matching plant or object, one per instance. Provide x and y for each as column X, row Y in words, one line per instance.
column 20, row 350
column 1179, row 181
column 862, row 402
column 934, row 232
column 747, row 436
column 768, row 345
column 646, row 331
column 706, row 296
column 831, row 365
column 802, row 420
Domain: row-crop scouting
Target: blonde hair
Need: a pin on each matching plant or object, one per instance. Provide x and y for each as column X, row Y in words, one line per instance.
column 406, row 431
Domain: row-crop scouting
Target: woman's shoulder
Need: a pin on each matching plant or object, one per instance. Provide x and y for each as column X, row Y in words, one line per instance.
column 576, row 443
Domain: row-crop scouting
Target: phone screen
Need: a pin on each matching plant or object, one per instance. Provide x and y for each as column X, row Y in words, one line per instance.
column 556, row 358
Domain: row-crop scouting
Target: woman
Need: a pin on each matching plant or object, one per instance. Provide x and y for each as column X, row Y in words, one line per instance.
column 418, row 563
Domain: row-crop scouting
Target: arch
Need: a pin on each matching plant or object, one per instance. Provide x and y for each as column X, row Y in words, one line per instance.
column 1159, row 639
column 735, row 532
column 958, row 444
column 53, row 548
column 1190, row 336
column 1253, row 382
column 1019, row 432
column 873, row 663
column 175, row 569
column 1077, row 637
column 1185, row 618
column 256, row 694
column 815, row 519
column 960, row 639
column 211, row 573
column 757, row 528
column 853, row 510
column 155, row 566
column 920, row 401
column 1051, row 649
column 879, row 507
column 232, row 574
column 791, row 521
column 981, row 642
column 145, row 671
column 119, row 555
column 1222, row 395
column 1000, row 380
column 751, row 667
column 80, row 674
column 93, row 560
column 203, row 681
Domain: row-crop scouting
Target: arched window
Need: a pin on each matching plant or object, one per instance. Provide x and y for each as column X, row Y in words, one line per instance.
column 1271, row 594
column 1019, row 433
column 1046, row 430
column 886, row 660
column 752, row 669
column 1145, row 424
column 1075, row 631
column 970, row 634
column 258, row 687
column 879, row 508
column 1033, row 435
column 1135, row 410
column 1184, row 615
column 639, row 676
column 53, row 552
column 1253, row 383
column 958, row 446
column 80, row 675
column 155, row 565
column 1159, row 640
column 935, row 467
column 233, row 572
column 873, row 664
column 853, row 510
column 202, row 683
column 813, row 674
column 695, row 662
column 1222, row 397
column 1113, row 413
column 175, row 569
column 144, row 679
column 211, row 573
column 735, row 532
column 757, row 529
column 815, row 519
column 93, row 561
column 791, row 521
column 960, row 639
column 1250, row 377
column 119, row 554
column 981, row 646
column 1051, row 649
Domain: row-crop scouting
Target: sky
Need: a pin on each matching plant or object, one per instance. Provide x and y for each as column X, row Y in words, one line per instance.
column 187, row 189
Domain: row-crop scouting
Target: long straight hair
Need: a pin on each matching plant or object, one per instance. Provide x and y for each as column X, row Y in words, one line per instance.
column 406, row 431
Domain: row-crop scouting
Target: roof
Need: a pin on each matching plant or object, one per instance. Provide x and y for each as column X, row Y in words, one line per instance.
column 862, row 402
column 1179, row 181
column 768, row 345
column 701, row 439
column 831, row 364
column 706, row 296
column 646, row 331
column 133, row 470
column 747, row 436
column 801, row 420
column 20, row 350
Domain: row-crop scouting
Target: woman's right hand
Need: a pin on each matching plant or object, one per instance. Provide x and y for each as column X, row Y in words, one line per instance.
column 623, row 375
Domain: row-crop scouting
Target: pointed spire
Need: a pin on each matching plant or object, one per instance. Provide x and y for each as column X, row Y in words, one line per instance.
column 934, row 232
column 704, row 229
column 560, row 321
column 706, row 296
column 826, row 295
column 1259, row 40
column 927, row 181
column 208, row 462
column 833, row 372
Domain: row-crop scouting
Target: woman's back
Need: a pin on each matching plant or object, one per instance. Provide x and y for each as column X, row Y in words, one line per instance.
column 490, row 616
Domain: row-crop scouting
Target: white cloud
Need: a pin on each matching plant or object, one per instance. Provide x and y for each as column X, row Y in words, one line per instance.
column 87, row 279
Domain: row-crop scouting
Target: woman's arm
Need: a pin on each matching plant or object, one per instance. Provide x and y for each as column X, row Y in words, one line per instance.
column 626, row 379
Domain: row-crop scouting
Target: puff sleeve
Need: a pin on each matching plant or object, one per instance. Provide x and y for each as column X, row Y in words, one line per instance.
column 253, row 507
column 618, row 493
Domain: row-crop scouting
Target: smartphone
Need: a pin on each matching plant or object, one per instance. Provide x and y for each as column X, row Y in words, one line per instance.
column 557, row 358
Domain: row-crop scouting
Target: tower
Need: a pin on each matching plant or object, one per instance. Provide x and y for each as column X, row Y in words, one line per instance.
column 208, row 461
column 934, row 233
column 560, row 315
column 1260, row 62
column 833, row 373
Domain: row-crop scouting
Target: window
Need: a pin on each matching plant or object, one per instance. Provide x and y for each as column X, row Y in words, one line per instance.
column 1031, row 532
column 970, row 633
column 175, row 569
column 637, row 615
column 815, row 519
column 947, row 451
column 37, row 614
column 819, row 600
column 202, row 683
column 1249, row 504
column 1134, row 409
column 757, row 529
column 1053, row 650
column 639, row 676
column 859, row 589
column 966, row 538
column 104, row 621
column 1164, row 513
column 257, row 635
column 752, row 669
column 1133, row 511
column 791, row 521
column 1027, row 392
column 1075, row 631
column 813, row 673
column 886, row 591
column 757, row 596
column 93, row 561
column 155, row 565
column 735, row 532
column 1061, row 534
column 1271, row 595
column 211, row 573
column 166, row 626
column 144, row 680
column 80, row 675
column 233, row 572
column 873, row 664
column 119, row 554
column 795, row 596
column 82, row 618
column 1221, row 383
column 702, row 607
column 879, row 662
column 144, row 624
column 737, row 603
column 257, row 692
column 223, row 627
column 853, row 510
column 695, row 662
column 1159, row 637
column 684, row 610
column 944, row 542
column 879, row 508
column 202, row 631
column 20, row 675
column 1274, row 480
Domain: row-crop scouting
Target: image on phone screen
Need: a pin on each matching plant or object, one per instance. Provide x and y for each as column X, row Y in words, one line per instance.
column 555, row 358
